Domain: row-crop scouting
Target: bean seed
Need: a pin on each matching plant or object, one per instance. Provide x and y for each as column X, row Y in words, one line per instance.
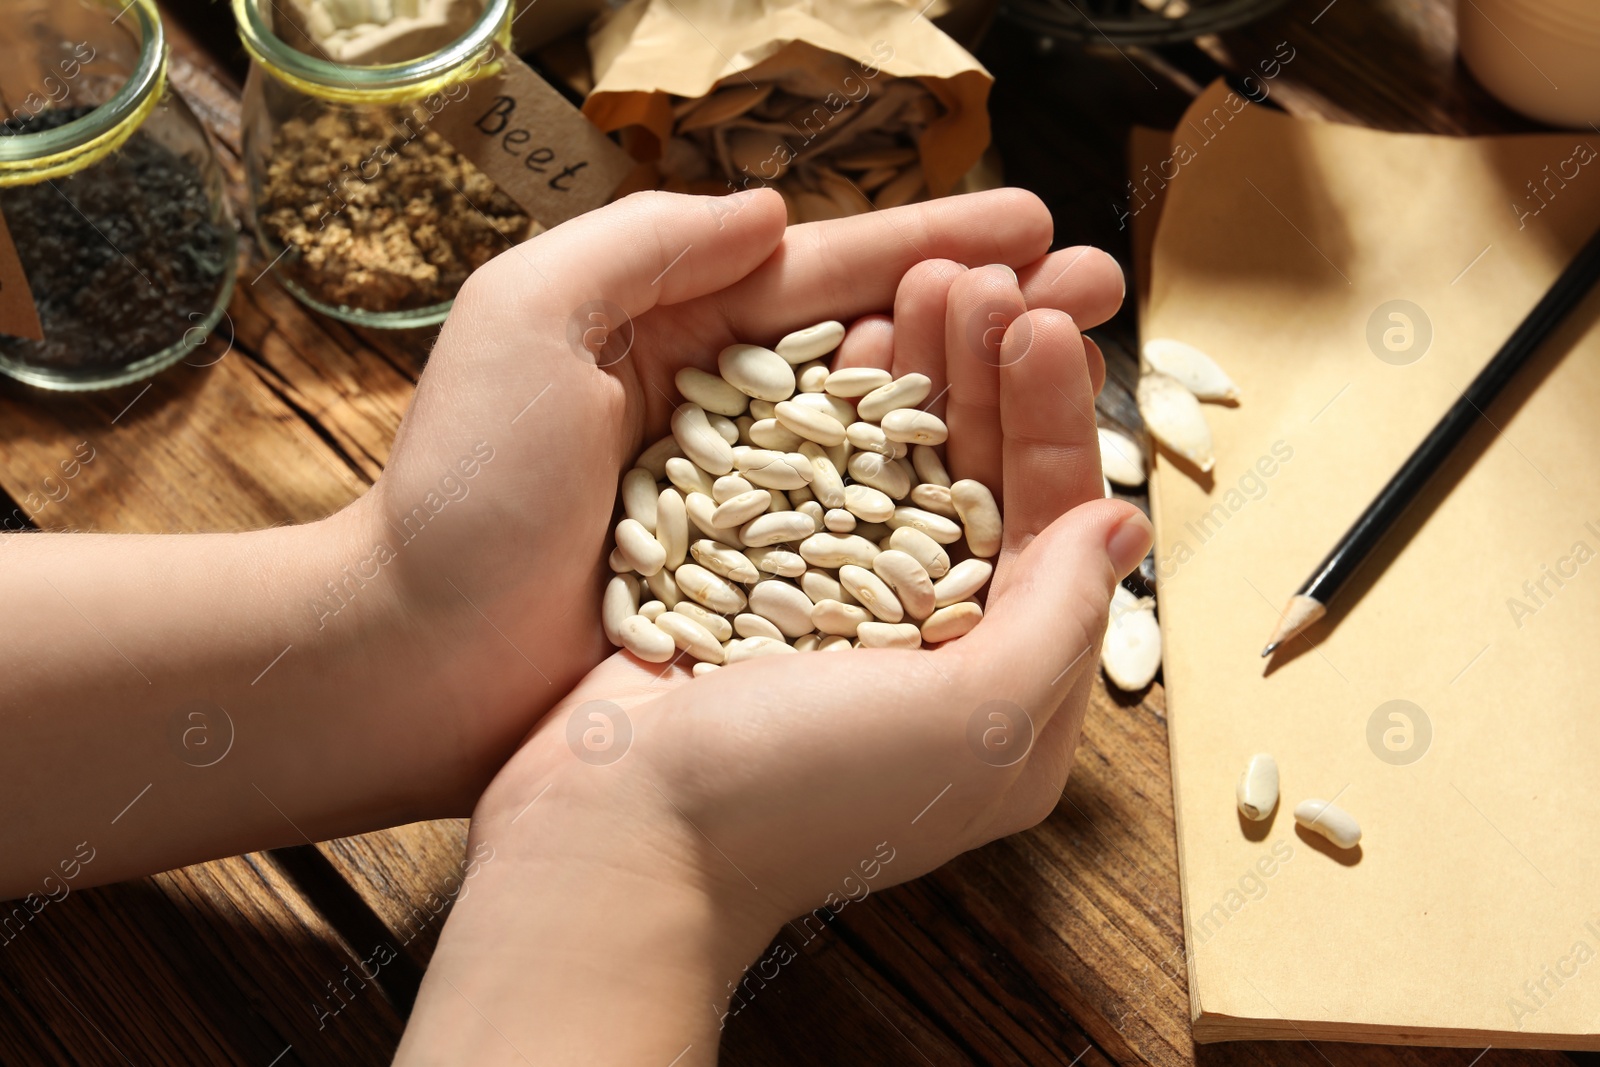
column 639, row 497
column 725, row 560
column 813, row 342
column 813, row 425
column 770, row 433
column 808, row 643
column 777, row 559
column 841, row 411
column 963, row 581
column 729, row 486
column 937, row 527
column 672, row 527
column 780, row 501
column 744, row 422
column 690, row 636
column 775, row 528
column 700, row 508
column 783, row 605
column 646, row 640
column 835, row 550
column 857, row 381
column 757, row 372
column 906, row 391
column 710, row 589
column 834, row 643
column 753, row 648
column 929, row 467
column 819, row 585
column 1334, row 823
column 889, row 635
column 922, row 548
column 1257, row 791
column 839, row 521
column 934, row 498
column 811, row 377
column 980, row 515
column 913, row 427
column 839, row 618
column 869, row 438
column 909, row 579
column 719, row 627
column 725, row 427
column 664, row 587
column 826, row 483
column 868, row 504
column 621, row 600
column 880, row 472
column 748, row 625
column 654, row 459
column 687, row 478
column 639, row 547
column 741, row 509
column 710, row 392
column 790, row 470
column 700, row 441
column 618, row 562
column 702, row 669
column 762, row 409
column 651, row 609
column 872, row 592
column 814, row 511
column 948, row 623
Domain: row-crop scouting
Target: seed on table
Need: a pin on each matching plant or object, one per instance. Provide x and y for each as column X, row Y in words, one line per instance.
column 980, row 516
column 639, row 497
column 952, row 621
column 913, row 427
column 811, row 377
column 741, row 509
column 909, row 579
column 783, row 605
column 654, row 459
column 1173, row 416
column 664, row 587
column 963, row 581
column 835, row 550
column 753, row 648
column 749, row 625
column 835, row 617
column 777, row 559
column 1257, row 790
column 688, row 478
column 621, row 599
column 756, row 372
column 1131, row 649
column 725, row 560
column 719, row 627
column 871, row 592
column 834, row 643
column 808, row 422
column 907, row 391
column 772, row 434
column 937, row 527
column 839, row 521
column 889, row 635
column 729, row 486
column 1334, row 823
column 813, row 342
column 880, row 472
column 791, row 470
column 690, row 636
column 702, row 669
column 868, row 437
column 710, row 589
column 856, row 381
column 929, row 467
column 646, row 640
column 710, row 392
column 700, row 441
column 934, row 498
column 672, row 527
column 1193, row 369
column 775, row 528
column 922, row 548
column 868, row 504
column 639, row 547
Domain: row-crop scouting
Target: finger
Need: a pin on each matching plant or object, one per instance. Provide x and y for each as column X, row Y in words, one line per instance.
column 919, row 315
column 1052, row 449
column 869, row 342
column 1084, row 282
column 652, row 248
column 983, row 303
column 849, row 267
column 1041, row 626
column 1096, row 362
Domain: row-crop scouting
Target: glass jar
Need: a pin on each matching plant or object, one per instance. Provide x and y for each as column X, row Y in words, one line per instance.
column 365, row 212
column 112, row 195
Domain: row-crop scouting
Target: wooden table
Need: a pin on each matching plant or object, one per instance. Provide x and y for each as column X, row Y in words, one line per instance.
column 1062, row 945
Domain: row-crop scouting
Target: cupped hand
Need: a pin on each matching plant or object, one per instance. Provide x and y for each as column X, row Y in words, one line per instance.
column 556, row 366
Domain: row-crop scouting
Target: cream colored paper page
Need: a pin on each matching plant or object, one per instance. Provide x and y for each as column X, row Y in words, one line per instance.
column 1471, row 914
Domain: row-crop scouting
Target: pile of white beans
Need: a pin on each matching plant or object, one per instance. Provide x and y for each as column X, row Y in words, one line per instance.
column 796, row 508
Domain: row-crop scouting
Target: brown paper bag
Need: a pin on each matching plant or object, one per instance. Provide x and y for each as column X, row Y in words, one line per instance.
column 840, row 53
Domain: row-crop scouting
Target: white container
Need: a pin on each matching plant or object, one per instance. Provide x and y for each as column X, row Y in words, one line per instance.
column 1539, row 57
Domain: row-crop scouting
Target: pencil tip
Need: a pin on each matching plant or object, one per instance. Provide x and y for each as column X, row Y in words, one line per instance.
column 1270, row 649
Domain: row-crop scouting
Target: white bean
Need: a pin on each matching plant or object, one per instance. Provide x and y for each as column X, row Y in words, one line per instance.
column 791, row 470
column 700, row 441
column 757, row 372
column 775, row 528
column 842, row 411
column 1334, row 823
column 880, row 472
column 741, row 509
column 639, row 547
column 922, row 548
column 872, row 593
column 688, row 478
column 807, row 643
column 811, row 377
column 710, row 392
column 1257, row 791
column 621, row 599
column 906, row 391
column 913, row 427
column 776, row 559
column 639, row 497
column 909, row 579
column 672, row 527
column 703, row 669
column 719, row 627
column 654, row 459
column 646, row 640
column 929, row 467
column 819, row 585
column 710, row 589
column 834, row 643
column 618, row 562
column 729, row 486
column 808, row 422
column 839, row 521
column 869, row 438
column 934, row 498
column 826, row 483
column 813, row 342
column 754, row 647
column 980, row 515
column 838, row 618
column 963, row 581
column 762, row 409
column 748, row 625
column 951, row 622
column 835, row 550
column 937, row 527
column 857, row 381
column 770, row 433
column 783, row 605
column 889, row 635
column 690, row 636
column 664, row 587
column 725, row 427
column 868, row 504
column 729, row 562
column 650, row 609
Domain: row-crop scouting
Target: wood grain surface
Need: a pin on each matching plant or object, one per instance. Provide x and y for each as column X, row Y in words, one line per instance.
column 1062, row 945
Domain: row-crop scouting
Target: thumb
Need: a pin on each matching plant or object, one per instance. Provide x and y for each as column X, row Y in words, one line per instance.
column 1043, row 623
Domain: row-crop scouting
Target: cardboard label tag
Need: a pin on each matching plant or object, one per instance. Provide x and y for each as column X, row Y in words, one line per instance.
column 19, row 317
column 538, row 148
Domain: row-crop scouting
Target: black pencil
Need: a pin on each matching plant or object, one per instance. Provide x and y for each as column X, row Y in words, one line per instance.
column 1311, row 601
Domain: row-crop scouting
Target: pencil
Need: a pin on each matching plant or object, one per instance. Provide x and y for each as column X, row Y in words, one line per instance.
column 1310, row 602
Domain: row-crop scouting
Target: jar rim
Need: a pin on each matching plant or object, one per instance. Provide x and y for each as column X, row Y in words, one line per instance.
column 128, row 106
column 355, row 82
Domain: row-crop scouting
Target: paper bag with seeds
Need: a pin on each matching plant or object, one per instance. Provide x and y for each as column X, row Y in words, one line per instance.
column 841, row 105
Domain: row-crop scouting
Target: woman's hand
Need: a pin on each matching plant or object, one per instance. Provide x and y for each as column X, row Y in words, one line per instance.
column 633, row 882
column 557, row 366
